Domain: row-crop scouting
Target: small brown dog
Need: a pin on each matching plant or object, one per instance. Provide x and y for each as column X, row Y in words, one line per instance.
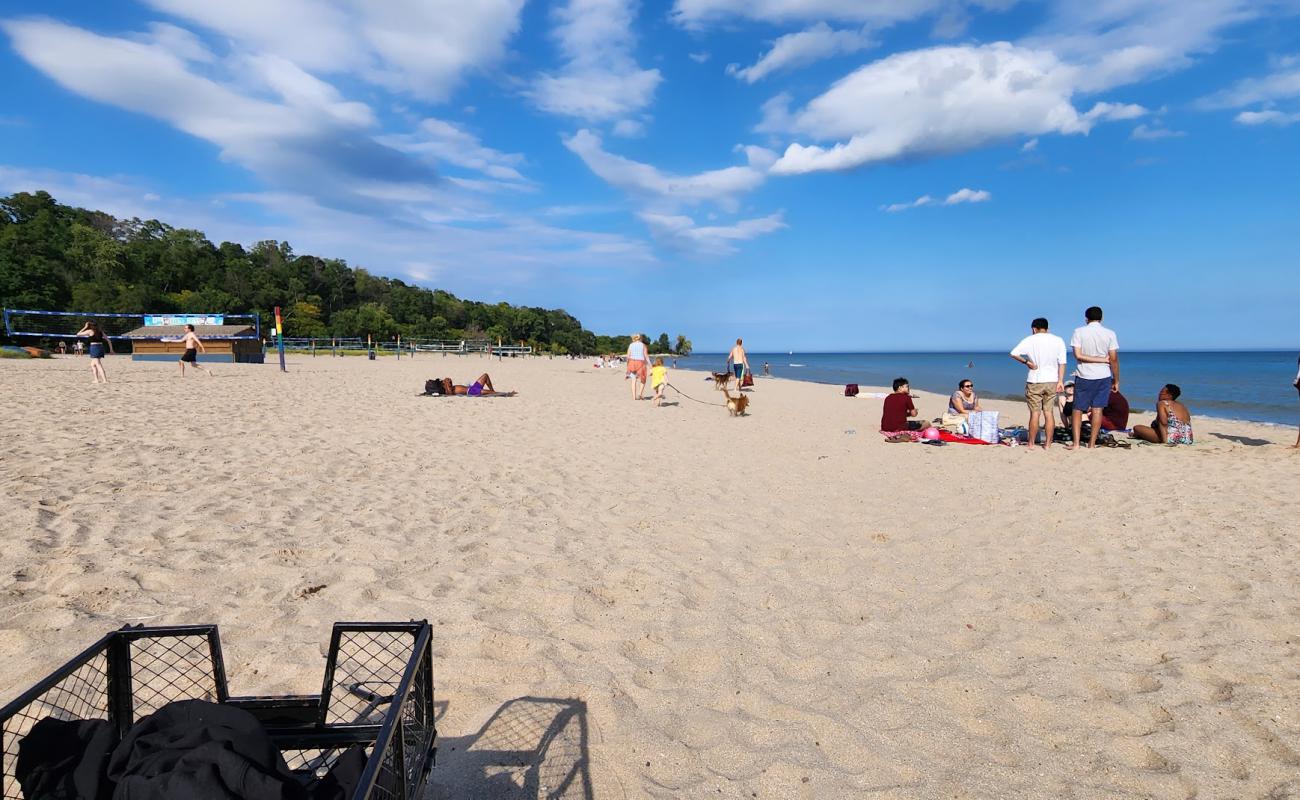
column 721, row 380
column 736, row 405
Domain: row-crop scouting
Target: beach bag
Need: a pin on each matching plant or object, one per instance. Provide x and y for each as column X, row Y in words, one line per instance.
column 850, row 390
column 983, row 425
column 748, row 380
column 953, row 423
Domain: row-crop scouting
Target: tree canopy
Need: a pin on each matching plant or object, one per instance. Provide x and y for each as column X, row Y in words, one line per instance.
column 56, row 257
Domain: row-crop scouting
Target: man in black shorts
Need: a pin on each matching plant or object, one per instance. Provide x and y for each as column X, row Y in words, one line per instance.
column 192, row 349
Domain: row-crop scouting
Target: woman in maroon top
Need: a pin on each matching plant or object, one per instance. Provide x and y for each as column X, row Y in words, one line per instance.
column 898, row 407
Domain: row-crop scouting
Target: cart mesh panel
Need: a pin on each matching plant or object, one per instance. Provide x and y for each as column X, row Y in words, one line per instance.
column 170, row 668
column 417, row 726
column 368, row 668
column 81, row 695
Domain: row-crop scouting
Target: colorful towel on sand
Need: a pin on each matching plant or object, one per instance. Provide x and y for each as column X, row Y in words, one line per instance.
column 945, row 436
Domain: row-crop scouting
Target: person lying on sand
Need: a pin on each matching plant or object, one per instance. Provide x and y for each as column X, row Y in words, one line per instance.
column 479, row 388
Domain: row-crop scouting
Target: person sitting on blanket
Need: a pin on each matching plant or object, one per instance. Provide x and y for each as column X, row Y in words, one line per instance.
column 479, row 388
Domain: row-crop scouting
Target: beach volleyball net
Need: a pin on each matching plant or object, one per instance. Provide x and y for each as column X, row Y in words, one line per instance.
column 30, row 323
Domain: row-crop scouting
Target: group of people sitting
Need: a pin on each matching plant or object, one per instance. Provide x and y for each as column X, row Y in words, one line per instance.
column 1171, row 425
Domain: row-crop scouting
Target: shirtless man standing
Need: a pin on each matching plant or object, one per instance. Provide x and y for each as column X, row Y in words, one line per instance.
column 192, row 349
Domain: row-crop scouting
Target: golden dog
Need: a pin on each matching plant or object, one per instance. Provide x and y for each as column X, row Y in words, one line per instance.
column 736, row 405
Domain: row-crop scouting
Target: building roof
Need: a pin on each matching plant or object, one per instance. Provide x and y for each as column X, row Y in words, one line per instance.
column 177, row 331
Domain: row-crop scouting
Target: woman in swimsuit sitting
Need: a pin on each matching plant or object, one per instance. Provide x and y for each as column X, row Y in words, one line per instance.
column 1173, row 422
column 964, row 401
column 479, row 388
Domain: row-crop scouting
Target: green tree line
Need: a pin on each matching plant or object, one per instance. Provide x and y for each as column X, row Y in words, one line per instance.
column 56, row 257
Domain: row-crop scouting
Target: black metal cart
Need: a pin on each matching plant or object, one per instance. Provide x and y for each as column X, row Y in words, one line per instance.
column 377, row 693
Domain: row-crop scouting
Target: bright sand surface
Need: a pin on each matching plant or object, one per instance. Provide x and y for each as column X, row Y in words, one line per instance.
column 780, row 606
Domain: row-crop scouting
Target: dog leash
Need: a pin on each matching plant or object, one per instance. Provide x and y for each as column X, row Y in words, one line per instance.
column 688, row 397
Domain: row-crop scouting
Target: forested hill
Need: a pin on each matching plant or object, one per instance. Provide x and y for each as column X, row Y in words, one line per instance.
column 55, row 257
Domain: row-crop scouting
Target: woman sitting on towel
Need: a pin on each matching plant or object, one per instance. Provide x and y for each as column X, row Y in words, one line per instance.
column 479, row 388
column 964, row 400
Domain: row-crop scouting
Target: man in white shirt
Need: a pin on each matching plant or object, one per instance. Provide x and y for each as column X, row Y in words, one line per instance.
column 1097, row 351
column 1044, row 354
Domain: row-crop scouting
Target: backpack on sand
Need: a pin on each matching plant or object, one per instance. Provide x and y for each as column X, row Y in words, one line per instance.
column 851, row 390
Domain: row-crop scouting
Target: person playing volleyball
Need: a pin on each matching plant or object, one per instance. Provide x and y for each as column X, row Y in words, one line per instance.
column 192, row 349
column 98, row 342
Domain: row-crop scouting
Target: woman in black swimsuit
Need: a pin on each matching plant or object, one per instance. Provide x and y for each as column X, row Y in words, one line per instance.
column 98, row 342
column 1296, row 446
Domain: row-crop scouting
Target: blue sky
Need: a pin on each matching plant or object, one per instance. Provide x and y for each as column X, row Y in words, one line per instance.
column 808, row 174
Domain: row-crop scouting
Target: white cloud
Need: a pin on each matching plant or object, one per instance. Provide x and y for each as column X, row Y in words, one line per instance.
column 513, row 248
column 1117, row 42
column 679, row 232
column 956, row 198
column 1281, row 84
column 178, row 41
column 1029, row 146
column 309, row 139
column 1268, row 117
column 629, row 128
column 935, row 101
column 967, row 196
column 879, row 13
column 662, row 195
column 446, row 143
column 720, row 186
column 1113, row 111
column 600, row 79
column 1147, row 133
column 418, row 46
column 894, row 208
column 700, row 58
column 805, row 47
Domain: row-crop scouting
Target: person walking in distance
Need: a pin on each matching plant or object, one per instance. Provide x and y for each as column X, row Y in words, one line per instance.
column 1044, row 354
column 192, row 349
column 1096, row 349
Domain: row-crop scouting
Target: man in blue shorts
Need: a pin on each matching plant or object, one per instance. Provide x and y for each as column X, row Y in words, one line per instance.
column 1097, row 352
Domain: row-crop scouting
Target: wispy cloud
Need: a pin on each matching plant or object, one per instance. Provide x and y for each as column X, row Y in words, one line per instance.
column 1151, row 133
column 967, row 196
column 958, row 197
column 1282, row 83
column 698, row 14
column 1269, row 117
column 805, row 47
column 680, row 232
column 721, row 186
column 600, row 80
column 417, row 47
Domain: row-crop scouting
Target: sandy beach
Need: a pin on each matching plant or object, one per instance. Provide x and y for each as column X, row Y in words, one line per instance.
column 777, row 606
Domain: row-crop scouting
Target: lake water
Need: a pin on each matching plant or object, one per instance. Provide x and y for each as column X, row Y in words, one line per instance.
column 1253, row 385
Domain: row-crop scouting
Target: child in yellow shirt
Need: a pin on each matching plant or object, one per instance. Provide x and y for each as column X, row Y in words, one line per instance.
column 659, row 380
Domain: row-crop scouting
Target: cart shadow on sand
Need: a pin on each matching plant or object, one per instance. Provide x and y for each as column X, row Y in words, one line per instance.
column 531, row 747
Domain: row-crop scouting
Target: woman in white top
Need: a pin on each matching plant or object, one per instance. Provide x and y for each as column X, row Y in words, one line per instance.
column 637, row 365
